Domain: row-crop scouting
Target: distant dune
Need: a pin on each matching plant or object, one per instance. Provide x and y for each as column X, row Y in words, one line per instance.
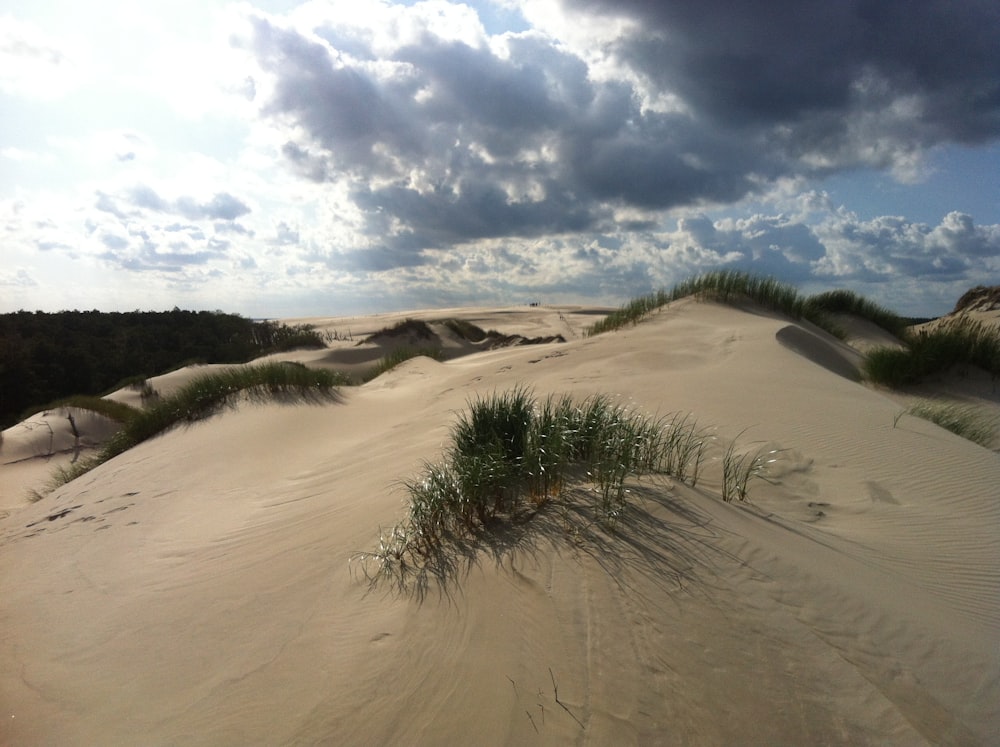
column 196, row 589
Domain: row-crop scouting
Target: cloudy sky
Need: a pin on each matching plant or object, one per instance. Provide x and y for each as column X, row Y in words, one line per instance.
column 276, row 158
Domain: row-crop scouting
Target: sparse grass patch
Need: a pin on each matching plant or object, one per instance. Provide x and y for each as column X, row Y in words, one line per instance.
column 631, row 313
column 738, row 469
column 401, row 355
column 967, row 421
column 204, row 396
column 117, row 411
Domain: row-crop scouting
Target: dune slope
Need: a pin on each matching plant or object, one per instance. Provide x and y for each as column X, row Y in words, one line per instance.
column 197, row 589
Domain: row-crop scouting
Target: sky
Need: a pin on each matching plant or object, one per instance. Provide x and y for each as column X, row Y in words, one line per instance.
column 285, row 159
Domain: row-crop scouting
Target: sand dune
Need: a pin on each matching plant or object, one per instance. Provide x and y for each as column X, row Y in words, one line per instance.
column 197, row 590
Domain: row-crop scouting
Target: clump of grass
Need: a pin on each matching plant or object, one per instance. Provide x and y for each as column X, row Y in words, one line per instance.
column 206, row 395
column 961, row 341
column 401, row 355
column 967, row 421
column 738, row 469
column 510, row 453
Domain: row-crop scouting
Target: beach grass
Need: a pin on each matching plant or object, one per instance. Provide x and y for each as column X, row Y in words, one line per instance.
column 401, row 355
column 843, row 301
column 737, row 286
column 117, row 411
column 738, row 469
column 630, row 313
column 965, row 420
column 511, row 453
column 204, row 396
column 959, row 342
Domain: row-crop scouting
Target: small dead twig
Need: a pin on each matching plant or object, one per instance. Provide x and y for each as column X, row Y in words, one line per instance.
column 555, row 689
column 528, row 713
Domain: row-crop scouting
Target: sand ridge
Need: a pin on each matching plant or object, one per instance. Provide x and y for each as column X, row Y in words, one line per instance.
column 197, row 590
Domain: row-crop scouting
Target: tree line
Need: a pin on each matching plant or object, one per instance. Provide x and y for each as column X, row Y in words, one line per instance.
column 47, row 356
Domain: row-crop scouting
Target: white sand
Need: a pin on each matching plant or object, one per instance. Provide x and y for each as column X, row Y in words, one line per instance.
column 196, row 589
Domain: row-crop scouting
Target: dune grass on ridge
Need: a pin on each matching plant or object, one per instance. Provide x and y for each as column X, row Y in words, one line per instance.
column 844, row 301
column 401, row 355
column 117, row 411
column 732, row 286
column 206, row 395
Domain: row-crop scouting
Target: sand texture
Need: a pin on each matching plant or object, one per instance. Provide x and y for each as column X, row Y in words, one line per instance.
column 196, row 590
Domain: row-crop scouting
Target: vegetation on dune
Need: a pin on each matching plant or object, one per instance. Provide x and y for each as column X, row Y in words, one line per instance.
column 967, row 421
column 414, row 328
column 960, row 341
column 630, row 313
column 848, row 302
column 44, row 357
column 401, row 355
column 467, row 330
column 206, row 395
column 117, row 411
column 510, row 453
column 735, row 286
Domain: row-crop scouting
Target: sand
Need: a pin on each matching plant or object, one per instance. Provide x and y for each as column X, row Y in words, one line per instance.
column 197, row 589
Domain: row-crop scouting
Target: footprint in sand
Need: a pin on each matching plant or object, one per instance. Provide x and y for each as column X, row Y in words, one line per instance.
column 878, row 494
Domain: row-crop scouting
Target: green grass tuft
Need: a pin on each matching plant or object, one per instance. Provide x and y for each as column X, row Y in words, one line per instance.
column 511, row 453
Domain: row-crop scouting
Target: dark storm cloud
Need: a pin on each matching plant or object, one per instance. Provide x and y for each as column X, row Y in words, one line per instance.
column 798, row 61
column 444, row 142
column 479, row 210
